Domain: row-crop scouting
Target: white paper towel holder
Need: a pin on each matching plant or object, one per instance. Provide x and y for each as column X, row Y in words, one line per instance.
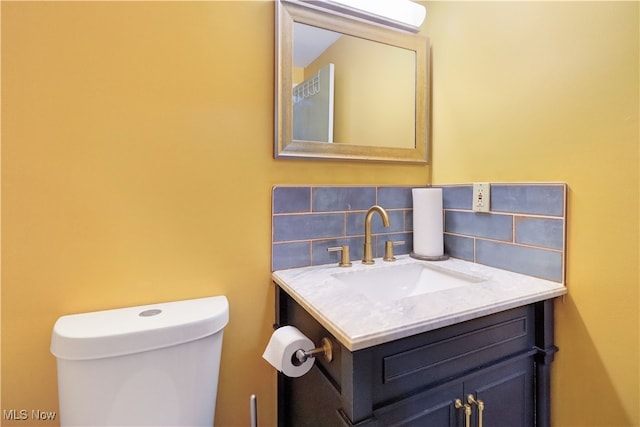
column 326, row 350
column 442, row 257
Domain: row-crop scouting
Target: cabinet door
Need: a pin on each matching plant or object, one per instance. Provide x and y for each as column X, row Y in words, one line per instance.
column 432, row 408
column 507, row 393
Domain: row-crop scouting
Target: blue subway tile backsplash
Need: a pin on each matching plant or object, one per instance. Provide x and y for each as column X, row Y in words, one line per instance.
column 528, row 199
column 292, row 199
column 496, row 227
column 524, row 232
column 331, row 199
column 543, row 232
column 395, row 197
column 307, row 227
column 457, row 197
column 521, row 259
column 355, row 223
column 459, row 247
column 290, row 255
column 336, row 218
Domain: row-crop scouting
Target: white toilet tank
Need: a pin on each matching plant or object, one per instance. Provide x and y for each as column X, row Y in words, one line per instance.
column 153, row 365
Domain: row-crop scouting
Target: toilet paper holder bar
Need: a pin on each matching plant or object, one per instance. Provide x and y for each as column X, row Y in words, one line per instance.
column 325, row 349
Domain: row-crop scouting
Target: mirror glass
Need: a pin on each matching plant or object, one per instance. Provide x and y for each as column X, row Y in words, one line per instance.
column 348, row 89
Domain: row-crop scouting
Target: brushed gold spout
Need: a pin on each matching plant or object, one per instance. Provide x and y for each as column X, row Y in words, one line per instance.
column 368, row 253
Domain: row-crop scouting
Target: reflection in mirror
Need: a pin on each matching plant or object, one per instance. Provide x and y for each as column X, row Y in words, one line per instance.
column 313, row 106
column 374, row 83
column 348, row 89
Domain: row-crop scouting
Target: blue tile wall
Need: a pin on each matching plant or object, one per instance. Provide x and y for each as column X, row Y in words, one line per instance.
column 306, row 227
column 308, row 220
column 527, row 260
column 290, row 255
column 457, row 197
column 497, row 227
column 292, row 199
column 395, row 197
column 328, row 199
column 543, row 232
column 536, row 199
column 460, row 247
column 524, row 232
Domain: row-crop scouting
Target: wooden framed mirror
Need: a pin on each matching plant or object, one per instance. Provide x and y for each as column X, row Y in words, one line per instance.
column 347, row 88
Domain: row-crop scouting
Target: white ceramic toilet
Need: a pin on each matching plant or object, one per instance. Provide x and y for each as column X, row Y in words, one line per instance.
column 153, row 365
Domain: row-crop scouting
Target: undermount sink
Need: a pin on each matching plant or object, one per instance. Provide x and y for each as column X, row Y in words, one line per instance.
column 405, row 280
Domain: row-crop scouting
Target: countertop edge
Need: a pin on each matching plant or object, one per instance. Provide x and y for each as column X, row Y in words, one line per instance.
column 359, row 342
column 363, row 342
column 332, row 328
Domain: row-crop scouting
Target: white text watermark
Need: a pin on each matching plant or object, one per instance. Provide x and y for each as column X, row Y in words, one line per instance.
column 28, row 415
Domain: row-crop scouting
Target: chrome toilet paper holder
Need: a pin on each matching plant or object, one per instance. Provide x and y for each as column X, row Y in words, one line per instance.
column 326, row 349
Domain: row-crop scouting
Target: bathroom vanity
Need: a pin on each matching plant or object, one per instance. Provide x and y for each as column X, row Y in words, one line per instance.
column 470, row 355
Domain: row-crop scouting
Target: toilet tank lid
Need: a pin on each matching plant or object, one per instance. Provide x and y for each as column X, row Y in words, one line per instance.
column 130, row 330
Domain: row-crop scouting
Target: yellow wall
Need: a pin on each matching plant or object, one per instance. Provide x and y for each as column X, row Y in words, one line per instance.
column 137, row 167
column 548, row 91
column 372, row 80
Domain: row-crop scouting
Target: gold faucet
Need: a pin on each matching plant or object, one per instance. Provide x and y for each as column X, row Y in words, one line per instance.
column 368, row 255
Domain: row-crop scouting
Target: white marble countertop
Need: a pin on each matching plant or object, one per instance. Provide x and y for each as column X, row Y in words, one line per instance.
column 359, row 322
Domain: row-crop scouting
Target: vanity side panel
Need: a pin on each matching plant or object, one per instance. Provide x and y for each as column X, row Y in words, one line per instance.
column 312, row 401
column 314, row 398
column 297, row 316
column 357, row 386
column 547, row 349
column 281, row 381
column 345, row 383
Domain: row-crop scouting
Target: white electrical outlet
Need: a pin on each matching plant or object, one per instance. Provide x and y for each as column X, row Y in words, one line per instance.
column 481, row 197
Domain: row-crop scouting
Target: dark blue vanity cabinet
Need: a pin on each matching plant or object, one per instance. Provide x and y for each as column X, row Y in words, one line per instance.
column 502, row 361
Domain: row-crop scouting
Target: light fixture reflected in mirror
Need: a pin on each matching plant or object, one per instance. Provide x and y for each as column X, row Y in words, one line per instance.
column 403, row 14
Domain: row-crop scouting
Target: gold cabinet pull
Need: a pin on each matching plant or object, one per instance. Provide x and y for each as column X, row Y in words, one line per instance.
column 480, row 404
column 467, row 411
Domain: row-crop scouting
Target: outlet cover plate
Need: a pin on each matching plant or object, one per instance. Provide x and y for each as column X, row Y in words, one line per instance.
column 481, row 197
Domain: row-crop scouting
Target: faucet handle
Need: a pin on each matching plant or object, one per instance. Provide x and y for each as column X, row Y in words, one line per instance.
column 345, row 260
column 388, row 249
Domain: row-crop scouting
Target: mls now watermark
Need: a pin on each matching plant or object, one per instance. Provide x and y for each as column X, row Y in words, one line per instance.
column 24, row 415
